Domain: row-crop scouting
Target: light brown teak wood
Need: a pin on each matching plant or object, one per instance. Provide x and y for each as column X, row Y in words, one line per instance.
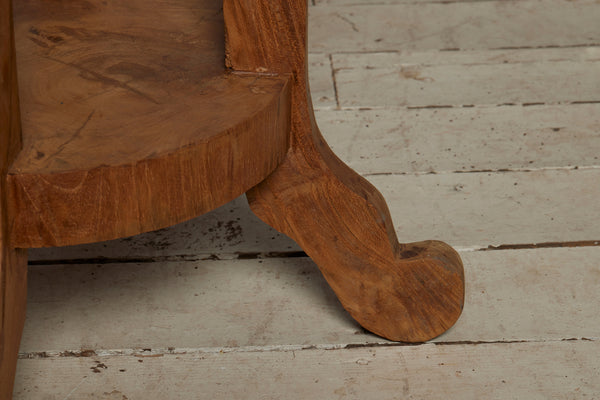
column 13, row 262
column 135, row 116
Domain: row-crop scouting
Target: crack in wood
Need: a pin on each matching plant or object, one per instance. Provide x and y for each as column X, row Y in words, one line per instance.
column 137, row 353
column 546, row 245
column 280, row 254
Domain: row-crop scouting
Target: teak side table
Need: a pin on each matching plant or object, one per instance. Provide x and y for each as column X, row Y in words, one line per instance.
column 136, row 115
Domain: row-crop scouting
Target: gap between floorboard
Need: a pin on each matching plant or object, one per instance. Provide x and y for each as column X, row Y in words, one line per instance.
column 160, row 352
column 288, row 254
column 456, row 49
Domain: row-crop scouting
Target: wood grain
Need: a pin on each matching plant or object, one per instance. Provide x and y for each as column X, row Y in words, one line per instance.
column 560, row 370
column 136, row 130
column 101, row 201
column 407, row 292
column 13, row 264
column 473, row 211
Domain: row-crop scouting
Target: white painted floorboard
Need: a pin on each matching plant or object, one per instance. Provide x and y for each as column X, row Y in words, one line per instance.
column 343, row 27
column 547, row 370
column 479, row 122
column 466, row 138
column 363, row 82
column 510, row 295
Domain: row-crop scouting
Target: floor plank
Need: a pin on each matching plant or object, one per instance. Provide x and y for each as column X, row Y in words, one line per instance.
column 481, row 209
column 380, row 2
column 456, row 25
column 510, row 295
column 565, row 370
column 466, row 138
column 321, row 81
column 465, row 78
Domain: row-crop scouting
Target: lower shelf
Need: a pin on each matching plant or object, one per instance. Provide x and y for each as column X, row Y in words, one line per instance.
column 102, row 184
column 131, row 122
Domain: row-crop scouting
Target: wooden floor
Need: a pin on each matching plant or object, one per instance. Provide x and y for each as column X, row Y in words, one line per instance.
column 480, row 123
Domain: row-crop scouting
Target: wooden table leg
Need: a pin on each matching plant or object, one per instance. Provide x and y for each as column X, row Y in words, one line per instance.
column 13, row 262
column 13, row 293
column 406, row 292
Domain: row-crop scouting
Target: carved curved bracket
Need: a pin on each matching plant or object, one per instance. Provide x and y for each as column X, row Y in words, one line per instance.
column 405, row 292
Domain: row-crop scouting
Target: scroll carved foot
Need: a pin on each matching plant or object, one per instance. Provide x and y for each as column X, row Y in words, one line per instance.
column 407, row 292
column 404, row 292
